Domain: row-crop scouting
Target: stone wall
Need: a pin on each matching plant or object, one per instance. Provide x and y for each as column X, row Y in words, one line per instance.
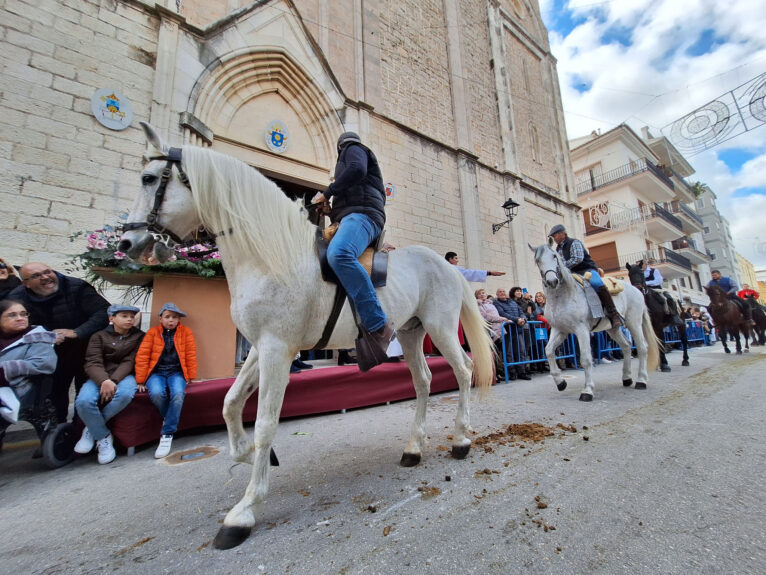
column 60, row 170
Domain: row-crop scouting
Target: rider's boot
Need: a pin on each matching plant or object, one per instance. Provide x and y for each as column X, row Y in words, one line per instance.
column 371, row 347
column 608, row 304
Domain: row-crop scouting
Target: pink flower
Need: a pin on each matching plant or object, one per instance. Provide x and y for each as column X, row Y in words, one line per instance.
column 99, row 244
column 119, row 256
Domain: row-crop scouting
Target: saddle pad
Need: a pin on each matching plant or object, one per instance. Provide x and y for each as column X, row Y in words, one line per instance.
column 374, row 263
column 591, row 296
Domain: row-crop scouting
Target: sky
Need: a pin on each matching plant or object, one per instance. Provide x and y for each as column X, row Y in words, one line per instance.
column 652, row 62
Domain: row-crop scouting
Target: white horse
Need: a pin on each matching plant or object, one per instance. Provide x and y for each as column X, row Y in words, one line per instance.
column 267, row 248
column 567, row 311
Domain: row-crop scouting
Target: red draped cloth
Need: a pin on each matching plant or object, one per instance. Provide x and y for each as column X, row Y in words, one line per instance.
column 428, row 346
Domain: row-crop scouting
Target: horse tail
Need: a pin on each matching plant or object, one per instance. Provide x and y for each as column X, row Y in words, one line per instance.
column 653, row 343
column 477, row 333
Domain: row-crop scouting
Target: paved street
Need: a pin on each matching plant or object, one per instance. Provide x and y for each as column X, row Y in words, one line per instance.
column 667, row 480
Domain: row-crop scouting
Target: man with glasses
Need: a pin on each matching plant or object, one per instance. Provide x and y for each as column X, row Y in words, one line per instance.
column 73, row 310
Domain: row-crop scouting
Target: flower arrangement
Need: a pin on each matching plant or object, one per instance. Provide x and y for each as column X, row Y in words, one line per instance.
column 101, row 258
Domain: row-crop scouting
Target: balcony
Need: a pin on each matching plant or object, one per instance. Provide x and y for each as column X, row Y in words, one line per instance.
column 683, row 190
column 641, row 174
column 661, row 225
column 688, row 248
column 690, row 220
column 671, row 264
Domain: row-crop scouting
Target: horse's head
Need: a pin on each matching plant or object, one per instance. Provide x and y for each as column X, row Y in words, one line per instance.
column 716, row 294
column 549, row 264
column 163, row 213
column 636, row 275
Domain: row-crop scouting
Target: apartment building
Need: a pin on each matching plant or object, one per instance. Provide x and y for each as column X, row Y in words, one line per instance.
column 637, row 205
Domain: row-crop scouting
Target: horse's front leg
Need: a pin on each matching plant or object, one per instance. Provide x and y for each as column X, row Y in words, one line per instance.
column 240, row 445
column 583, row 340
column 684, row 345
column 556, row 339
column 274, row 368
column 724, row 335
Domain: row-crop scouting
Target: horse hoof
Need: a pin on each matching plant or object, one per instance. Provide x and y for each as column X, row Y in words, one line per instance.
column 627, row 382
column 665, row 368
column 640, row 385
column 460, row 451
column 739, row 352
column 586, row 397
column 727, row 350
column 562, row 385
column 228, row 537
column 685, row 363
column 410, row 459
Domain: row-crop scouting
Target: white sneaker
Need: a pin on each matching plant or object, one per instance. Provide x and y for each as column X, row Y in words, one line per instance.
column 164, row 447
column 85, row 445
column 606, row 360
column 106, row 453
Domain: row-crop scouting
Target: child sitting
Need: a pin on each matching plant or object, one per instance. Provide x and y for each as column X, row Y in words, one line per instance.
column 165, row 363
column 109, row 363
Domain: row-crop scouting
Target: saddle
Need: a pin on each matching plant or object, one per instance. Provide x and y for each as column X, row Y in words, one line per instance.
column 374, row 261
column 612, row 285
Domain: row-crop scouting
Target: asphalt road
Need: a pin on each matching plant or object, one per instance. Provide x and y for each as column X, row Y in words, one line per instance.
column 667, row 480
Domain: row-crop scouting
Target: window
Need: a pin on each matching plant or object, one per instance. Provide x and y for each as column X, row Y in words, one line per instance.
column 707, row 230
column 534, row 142
column 700, row 203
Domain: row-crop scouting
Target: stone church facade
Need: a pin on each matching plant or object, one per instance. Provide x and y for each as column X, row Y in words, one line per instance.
column 459, row 99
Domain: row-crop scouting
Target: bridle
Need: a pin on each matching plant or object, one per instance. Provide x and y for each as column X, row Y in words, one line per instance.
column 557, row 271
column 160, row 233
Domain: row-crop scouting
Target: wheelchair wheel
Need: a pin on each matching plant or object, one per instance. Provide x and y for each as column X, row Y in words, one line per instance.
column 58, row 446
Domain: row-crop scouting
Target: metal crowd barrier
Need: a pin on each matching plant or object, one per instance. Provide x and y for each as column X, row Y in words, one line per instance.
column 694, row 332
column 528, row 345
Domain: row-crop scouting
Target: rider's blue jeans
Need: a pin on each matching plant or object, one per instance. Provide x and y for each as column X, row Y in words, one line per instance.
column 167, row 393
column 595, row 280
column 87, row 405
column 355, row 234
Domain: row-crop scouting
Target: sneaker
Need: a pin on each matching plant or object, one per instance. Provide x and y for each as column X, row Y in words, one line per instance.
column 86, row 443
column 164, row 447
column 606, row 360
column 106, row 453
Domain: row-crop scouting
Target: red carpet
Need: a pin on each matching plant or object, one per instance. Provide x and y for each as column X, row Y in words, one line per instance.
column 309, row 392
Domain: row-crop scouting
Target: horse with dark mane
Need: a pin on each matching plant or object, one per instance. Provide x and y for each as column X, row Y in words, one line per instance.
column 660, row 320
column 759, row 318
column 728, row 318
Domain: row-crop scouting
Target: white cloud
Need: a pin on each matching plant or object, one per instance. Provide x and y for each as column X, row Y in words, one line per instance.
column 656, row 79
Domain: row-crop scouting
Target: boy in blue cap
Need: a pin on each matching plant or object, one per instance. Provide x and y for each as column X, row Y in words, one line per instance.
column 111, row 385
column 165, row 363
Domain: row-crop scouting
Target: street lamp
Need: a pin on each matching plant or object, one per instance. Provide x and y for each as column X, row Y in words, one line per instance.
column 511, row 211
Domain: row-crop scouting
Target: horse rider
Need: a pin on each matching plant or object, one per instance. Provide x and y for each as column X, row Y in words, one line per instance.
column 729, row 286
column 358, row 205
column 747, row 292
column 578, row 260
column 653, row 280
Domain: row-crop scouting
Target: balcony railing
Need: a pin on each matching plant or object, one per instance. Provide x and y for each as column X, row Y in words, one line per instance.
column 622, row 173
column 660, row 212
column 678, row 207
column 661, row 255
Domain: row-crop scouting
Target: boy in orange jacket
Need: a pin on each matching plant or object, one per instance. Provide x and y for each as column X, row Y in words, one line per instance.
column 165, row 363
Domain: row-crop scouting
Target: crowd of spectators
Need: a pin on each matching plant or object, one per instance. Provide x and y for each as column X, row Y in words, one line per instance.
column 56, row 330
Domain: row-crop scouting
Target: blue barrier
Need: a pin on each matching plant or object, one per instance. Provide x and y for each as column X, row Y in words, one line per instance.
column 605, row 344
column 694, row 332
column 528, row 345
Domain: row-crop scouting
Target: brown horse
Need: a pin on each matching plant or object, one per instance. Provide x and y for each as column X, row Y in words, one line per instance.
column 728, row 318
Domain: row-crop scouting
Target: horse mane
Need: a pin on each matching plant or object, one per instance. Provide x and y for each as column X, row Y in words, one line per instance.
column 250, row 210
